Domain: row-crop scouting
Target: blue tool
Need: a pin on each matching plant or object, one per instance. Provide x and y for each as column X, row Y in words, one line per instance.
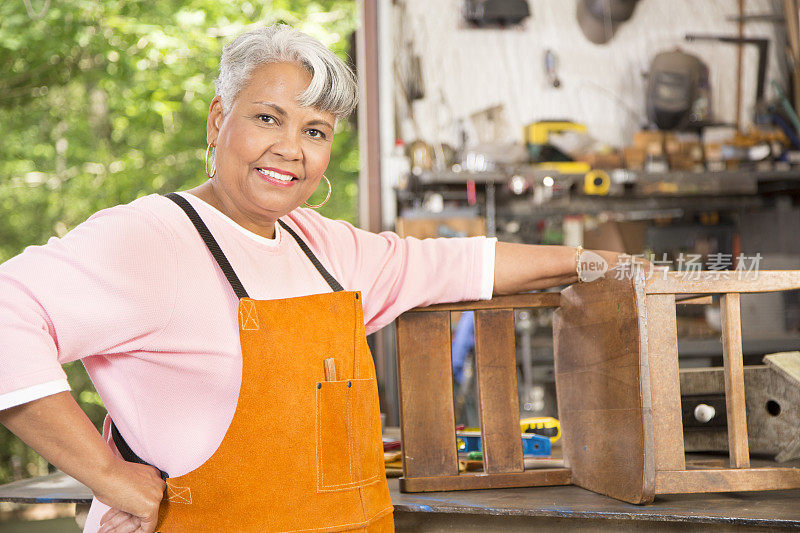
column 532, row 444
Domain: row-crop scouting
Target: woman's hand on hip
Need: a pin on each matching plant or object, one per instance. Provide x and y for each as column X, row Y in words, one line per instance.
column 134, row 495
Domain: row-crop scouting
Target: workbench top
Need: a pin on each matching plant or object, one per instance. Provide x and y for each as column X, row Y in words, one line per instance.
column 760, row 509
column 523, row 506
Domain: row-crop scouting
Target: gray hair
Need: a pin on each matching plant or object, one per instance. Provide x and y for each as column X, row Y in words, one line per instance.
column 333, row 86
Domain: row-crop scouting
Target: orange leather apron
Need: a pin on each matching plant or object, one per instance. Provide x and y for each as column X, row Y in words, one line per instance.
column 302, row 453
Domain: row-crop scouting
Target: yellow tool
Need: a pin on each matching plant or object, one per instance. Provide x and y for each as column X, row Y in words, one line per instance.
column 544, row 155
column 596, row 182
column 546, row 426
column 539, row 132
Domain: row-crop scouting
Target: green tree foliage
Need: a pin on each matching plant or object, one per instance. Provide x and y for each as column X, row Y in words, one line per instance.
column 104, row 102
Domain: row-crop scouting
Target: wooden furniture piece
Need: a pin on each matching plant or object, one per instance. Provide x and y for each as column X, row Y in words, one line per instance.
column 618, row 389
column 425, row 372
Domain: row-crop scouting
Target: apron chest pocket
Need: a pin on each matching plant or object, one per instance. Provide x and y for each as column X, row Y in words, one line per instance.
column 349, row 453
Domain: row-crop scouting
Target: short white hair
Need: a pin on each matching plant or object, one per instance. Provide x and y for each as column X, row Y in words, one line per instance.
column 333, row 86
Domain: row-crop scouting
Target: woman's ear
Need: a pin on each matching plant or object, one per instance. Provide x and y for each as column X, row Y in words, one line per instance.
column 215, row 117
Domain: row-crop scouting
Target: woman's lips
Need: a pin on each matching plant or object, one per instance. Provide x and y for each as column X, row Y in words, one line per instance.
column 276, row 178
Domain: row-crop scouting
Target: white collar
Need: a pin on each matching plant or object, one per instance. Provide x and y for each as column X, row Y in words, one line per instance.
column 246, row 232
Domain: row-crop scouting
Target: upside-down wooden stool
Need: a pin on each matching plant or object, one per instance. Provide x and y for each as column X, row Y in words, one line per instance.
column 425, row 370
column 618, row 388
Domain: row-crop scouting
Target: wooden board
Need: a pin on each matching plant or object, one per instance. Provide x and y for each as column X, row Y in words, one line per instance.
column 662, row 356
column 730, row 311
column 721, row 282
column 426, row 394
column 479, row 480
column 727, row 480
column 604, row 408
column 496, row 369
column 510, row 301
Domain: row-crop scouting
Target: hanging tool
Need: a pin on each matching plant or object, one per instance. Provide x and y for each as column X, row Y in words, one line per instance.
column 550, row 64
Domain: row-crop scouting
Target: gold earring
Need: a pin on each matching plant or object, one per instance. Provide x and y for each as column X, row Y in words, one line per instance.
column 214, row 167
column 330, row 190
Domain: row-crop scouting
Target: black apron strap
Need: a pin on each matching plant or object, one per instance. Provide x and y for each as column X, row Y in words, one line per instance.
column 211, row 243
column 128, row 454
column 222, row 261
column 306, row 250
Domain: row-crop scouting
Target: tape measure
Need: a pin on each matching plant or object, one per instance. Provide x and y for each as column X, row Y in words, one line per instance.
column 546, row 426
column 596, row 182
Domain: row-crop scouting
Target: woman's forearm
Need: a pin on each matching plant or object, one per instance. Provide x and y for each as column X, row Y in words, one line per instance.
column 526, row 267
column 57, row 428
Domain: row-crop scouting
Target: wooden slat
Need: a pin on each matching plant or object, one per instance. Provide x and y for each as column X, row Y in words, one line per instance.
column 426, row 394
column 479, row 480
column 728, row 480
column 730, row 312
column 511, row 301
column 693, row 299
column 708, row 282
column 662, row 355
column 498, row 404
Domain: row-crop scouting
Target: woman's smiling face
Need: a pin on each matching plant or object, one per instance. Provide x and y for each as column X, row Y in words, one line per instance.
column 270, row 151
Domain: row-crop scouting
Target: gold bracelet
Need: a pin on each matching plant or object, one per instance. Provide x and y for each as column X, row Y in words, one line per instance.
column 578, row 252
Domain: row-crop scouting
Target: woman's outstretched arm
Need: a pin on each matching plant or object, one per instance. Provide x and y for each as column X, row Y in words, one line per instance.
column 526, row 267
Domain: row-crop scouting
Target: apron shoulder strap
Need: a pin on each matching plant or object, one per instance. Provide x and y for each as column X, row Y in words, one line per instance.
column 335, row 285
column 222, row 261
column 211, row 243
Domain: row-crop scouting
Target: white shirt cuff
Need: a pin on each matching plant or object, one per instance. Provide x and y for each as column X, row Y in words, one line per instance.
column 487, row 278
column 34, row 392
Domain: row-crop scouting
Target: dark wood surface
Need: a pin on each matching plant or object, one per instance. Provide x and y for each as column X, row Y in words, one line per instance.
column 603, row 404
column 759, row 509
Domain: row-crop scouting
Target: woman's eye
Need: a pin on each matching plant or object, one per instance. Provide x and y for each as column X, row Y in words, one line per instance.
column 267, row 119
column 316, row 134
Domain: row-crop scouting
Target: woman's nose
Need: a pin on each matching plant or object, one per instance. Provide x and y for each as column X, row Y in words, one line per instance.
column 288, row 147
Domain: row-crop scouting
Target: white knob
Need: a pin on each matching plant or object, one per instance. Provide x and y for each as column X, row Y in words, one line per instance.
column 704, row 412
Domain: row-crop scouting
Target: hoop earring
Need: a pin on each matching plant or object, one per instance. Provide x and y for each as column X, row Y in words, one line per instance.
column 214, row 167
column 330, row 190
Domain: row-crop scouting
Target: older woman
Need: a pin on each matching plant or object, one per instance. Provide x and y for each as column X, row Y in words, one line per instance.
column 224, row 326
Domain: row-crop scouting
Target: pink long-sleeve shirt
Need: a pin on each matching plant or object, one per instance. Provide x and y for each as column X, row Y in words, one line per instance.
column 135, row 294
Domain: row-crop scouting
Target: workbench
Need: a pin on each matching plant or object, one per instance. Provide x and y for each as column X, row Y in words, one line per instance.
column 521, row 509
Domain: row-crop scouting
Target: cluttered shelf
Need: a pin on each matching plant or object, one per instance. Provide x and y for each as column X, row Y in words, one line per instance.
column 662, row 174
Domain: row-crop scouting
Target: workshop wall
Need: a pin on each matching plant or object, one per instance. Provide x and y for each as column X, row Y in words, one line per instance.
column 466, row 70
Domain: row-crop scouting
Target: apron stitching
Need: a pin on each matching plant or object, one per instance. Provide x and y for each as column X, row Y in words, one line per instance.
column 320, row 478
column 349, row 434
column 362, row 523
column 252, row 316
column 353, row 484
column 356, row 367
column 179, row 495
